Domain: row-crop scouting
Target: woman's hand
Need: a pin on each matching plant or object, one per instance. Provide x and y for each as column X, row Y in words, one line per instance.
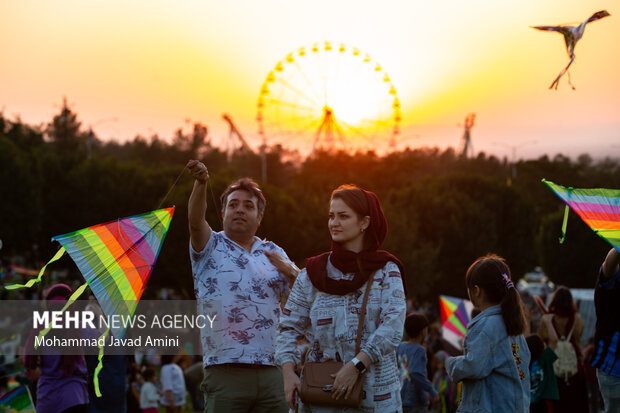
column 282, row 265
column 291, row 385
column 344, row 381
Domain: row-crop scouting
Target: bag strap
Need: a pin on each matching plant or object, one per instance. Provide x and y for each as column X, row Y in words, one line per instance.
column 548, row 319
column 360, row 324
column 552, row 329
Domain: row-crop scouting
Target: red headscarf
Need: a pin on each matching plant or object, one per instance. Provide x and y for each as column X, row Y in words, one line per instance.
column 363, row 264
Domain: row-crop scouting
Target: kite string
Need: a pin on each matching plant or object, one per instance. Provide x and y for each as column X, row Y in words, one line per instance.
column 215, row 203
column 129, row 245
column 172, row 187
column 210, row 189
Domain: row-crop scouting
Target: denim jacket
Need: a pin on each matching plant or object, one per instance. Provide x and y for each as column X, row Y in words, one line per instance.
column 494, row 369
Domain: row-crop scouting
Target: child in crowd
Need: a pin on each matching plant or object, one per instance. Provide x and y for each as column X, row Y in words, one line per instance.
column 415, row 386
column 449, row 393
column 544, row 386
column 148, row 393
column 495, row 367
column 173, row 385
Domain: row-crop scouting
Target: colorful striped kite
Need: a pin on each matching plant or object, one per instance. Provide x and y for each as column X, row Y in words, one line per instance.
column 17, row 400
column 599, row 208
column 454, row 318
column 116, row 260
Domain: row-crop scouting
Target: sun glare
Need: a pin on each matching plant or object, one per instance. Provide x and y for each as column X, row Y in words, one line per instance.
column 328, row 95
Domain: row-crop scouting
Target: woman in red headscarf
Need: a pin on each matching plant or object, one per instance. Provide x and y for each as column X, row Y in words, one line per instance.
column 326, row 299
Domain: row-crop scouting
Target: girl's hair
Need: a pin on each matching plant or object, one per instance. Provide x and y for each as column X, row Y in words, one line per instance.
column 492, row 275
column 355, row 199
column 562, row 302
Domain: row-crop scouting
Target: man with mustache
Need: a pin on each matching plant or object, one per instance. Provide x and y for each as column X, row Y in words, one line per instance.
column 242, row 279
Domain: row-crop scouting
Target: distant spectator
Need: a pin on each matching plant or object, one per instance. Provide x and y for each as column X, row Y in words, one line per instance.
column 136, row 380
column 448, row 392
column 544, row 387
column 62, row 378
column 173, row 385
column 564, row 322
column 148, row 393
column 415, row 385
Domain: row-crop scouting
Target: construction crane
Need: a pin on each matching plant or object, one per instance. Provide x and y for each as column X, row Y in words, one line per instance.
column 466, row 140
column 240, row 144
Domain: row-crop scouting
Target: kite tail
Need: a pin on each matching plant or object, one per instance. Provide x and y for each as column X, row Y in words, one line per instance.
column 570, row 83
column 556, row 82
column 33, row 281
column 100, row 364
column 564, row 224
column 70, row 301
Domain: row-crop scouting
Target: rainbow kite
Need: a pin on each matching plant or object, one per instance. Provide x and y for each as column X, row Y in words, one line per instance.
column 116, row 260
column 17, row 400
column 599, row 208
column 454, row 318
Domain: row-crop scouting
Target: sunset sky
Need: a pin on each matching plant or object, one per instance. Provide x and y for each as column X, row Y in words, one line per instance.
column 154, row 64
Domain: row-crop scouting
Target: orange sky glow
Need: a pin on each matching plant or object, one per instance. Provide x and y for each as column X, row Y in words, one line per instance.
column 153, row 65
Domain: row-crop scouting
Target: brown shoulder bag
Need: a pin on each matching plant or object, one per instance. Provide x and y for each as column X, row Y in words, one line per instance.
column 316, row 380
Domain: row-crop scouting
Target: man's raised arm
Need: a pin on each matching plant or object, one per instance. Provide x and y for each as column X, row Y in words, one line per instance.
column 199, row 230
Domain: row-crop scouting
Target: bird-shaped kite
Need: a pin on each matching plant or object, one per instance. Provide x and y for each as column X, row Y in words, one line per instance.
column 571, row 34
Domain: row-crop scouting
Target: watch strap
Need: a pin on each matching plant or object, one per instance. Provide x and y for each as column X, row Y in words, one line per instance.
column 359, row 364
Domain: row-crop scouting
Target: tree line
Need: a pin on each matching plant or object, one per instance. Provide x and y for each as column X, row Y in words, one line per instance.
column 443, row 210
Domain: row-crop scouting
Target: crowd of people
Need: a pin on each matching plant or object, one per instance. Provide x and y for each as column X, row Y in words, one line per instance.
column 283, row 329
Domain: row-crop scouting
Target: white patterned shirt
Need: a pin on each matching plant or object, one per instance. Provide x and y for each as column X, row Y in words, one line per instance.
column 245, row 290
column 330, row 321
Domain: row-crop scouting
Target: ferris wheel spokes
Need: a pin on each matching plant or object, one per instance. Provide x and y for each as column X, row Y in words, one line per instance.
column 298, row 92
column 323, row 95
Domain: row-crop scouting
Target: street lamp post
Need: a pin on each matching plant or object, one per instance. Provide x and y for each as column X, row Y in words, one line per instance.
column 514, row 155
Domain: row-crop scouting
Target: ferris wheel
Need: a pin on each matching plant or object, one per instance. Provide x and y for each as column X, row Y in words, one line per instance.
column 328, row 96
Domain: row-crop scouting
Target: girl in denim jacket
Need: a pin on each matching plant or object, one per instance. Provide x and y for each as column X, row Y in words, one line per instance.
column 495, row 367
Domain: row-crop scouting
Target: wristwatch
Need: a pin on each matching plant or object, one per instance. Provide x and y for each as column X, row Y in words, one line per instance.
column 358, row 365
